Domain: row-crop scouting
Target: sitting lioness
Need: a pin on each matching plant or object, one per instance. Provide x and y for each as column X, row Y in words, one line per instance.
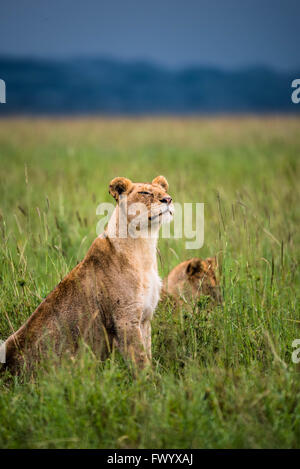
column 192, row 279
column 111, row 295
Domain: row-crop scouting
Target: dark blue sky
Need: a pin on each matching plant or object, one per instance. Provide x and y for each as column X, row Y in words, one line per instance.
column 227, row 33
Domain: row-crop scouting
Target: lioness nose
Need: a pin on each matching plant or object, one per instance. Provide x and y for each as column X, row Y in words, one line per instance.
column 166, row 200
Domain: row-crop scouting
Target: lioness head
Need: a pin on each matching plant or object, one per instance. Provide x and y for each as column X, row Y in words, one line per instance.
column 145, row 205
column 194, row 278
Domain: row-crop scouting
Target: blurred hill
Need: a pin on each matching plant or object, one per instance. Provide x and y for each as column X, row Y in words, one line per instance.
column 107, row 86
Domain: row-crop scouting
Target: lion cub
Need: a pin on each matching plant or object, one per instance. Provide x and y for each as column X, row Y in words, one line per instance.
column 111, row 295
column 192, row 279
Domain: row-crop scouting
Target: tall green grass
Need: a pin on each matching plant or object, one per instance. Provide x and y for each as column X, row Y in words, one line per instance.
column 221, row 377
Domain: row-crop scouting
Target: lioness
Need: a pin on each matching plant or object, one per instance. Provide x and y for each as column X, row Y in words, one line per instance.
column 192, row 279
column 111, row 295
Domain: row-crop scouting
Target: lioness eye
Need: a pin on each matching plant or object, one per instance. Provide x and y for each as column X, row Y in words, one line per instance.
column 144, row 192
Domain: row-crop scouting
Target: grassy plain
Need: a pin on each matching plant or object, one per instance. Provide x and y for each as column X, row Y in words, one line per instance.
column 220, row 378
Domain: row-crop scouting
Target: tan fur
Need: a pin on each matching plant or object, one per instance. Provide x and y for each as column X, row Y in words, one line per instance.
column 108, row 298
column 193, row 278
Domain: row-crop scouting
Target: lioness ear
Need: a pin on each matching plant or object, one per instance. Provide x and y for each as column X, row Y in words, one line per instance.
column 119, row 186
column 161, row 181
column 193, row 267
column 213, row 262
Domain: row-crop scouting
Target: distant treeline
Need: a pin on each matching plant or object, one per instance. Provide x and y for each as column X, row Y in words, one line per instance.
column 91, row 86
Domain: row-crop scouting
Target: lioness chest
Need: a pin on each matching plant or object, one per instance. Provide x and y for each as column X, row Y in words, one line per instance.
column 151, row 293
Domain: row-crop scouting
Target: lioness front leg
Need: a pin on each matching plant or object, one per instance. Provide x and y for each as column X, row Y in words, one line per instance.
column 130, row 342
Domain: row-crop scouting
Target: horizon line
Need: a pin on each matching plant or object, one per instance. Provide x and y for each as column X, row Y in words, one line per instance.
column 148, row 61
